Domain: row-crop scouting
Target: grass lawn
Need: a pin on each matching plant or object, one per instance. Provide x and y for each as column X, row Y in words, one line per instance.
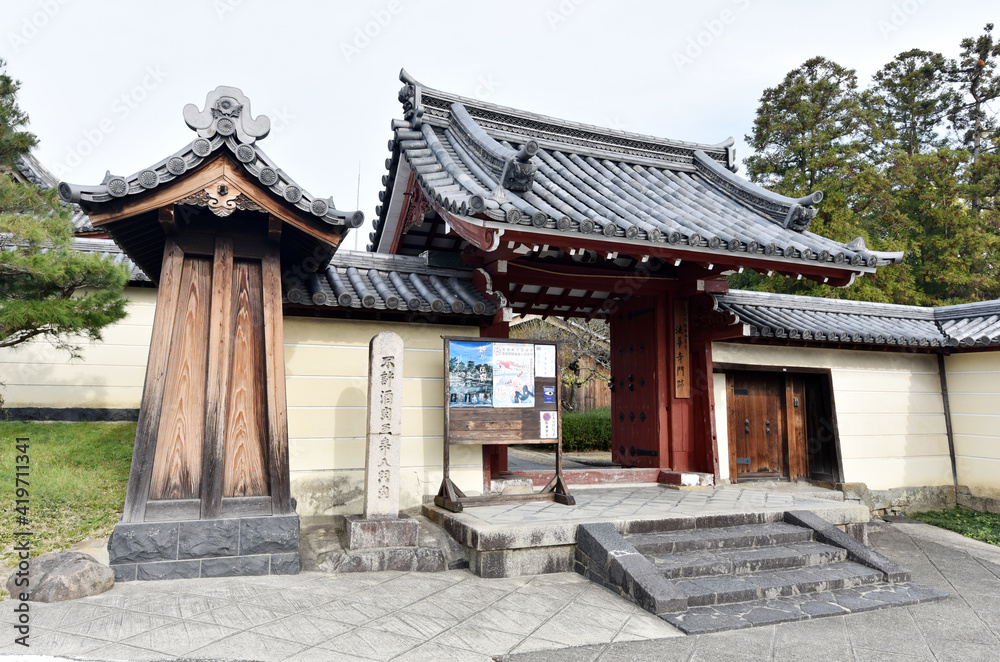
column 970, row 523
column 77, row 482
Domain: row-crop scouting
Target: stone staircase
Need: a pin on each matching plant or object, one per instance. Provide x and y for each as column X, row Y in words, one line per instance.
column 713, row 578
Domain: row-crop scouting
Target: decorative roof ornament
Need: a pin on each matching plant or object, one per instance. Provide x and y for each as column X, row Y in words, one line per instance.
column 802, row 211
column 519, row 171
column 857, row 245
column 227, row 112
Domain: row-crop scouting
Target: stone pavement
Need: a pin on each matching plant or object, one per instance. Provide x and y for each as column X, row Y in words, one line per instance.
column 458, row 616
column 328, row 617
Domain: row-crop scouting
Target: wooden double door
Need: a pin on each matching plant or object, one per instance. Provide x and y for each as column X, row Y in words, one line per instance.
column 780, row 427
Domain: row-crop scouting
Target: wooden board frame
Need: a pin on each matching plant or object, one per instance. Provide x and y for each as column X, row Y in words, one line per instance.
column 450, row 496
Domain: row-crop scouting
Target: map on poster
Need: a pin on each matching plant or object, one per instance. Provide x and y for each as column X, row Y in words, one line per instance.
column 513, row 375
column 470, row 374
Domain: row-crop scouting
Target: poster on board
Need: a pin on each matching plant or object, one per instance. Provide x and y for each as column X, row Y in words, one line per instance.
column 513, row 375
column 548, row 425
column 470, row 374
column 545, row 360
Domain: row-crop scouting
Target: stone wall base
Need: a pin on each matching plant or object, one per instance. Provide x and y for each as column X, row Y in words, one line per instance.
column 898, row 500
column 981, row 503
column 205, row 548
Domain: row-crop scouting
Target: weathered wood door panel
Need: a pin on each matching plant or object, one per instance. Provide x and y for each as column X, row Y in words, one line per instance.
column 781, row 426
column 635, row 438
column 246, row 428
column 178, row 460
column 756, row 426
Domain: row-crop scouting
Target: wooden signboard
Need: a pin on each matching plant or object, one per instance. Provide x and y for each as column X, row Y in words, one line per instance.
column 682, row 351
column 501, row 391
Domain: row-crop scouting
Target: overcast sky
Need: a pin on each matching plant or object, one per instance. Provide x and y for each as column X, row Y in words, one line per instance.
column 104, row 82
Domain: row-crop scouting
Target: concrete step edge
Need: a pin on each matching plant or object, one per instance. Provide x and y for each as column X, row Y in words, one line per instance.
column 838, row 602
column 757, row 535
column 694, row 564
column 728, row 589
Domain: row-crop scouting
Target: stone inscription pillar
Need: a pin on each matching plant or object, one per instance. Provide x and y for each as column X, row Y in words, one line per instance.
column 385, row 393
column 381, row 525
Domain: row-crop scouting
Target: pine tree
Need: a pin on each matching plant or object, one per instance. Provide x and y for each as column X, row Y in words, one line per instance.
column 47, row 290
column 912, row 96
column 979, row 84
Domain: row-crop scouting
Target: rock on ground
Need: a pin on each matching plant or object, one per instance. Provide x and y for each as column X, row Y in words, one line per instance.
column 63, row 576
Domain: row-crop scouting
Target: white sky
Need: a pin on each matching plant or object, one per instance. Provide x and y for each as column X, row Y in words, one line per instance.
column 104, row 82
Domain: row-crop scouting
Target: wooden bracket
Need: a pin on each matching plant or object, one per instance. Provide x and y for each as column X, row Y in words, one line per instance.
column 168, row 220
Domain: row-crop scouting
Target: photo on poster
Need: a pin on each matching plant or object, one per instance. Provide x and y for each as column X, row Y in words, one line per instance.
column 513, row 375
column 470, row 374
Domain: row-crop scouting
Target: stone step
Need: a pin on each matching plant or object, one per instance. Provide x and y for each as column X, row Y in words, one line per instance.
column 744, row 560
column 720, row 590
column 837, row 602
column 729, row 537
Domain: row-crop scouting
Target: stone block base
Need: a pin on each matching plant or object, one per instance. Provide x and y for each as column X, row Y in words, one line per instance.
column 361, row 533
column 205, row 548
column 685, row 479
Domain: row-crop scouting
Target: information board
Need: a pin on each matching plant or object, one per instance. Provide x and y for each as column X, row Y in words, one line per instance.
column 501, row 391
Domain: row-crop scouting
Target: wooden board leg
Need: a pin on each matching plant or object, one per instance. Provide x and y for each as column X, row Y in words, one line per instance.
column 448, row 496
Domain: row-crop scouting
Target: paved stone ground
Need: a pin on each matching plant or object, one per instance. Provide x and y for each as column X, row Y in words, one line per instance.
column 650, row 502
column 457, row 616
column 324, row 617
column 524, row 459
column 965, row 626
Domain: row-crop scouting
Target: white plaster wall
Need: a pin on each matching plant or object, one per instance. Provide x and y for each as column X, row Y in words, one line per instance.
column 109, row 374
column 721, row 424
column 326, row 366
column 974, row 400
column 890, row 412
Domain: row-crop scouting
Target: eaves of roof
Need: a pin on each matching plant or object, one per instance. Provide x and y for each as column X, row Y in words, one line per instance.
column 865, row 323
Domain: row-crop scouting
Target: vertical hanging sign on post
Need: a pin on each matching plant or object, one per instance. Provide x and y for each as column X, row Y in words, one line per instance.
column 682, row 353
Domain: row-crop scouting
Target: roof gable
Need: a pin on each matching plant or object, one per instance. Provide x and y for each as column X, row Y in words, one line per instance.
column 498, row 171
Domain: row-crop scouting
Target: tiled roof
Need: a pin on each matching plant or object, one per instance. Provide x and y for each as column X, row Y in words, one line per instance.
column 39, row 175
column 356, row 279
column 478, row 159
column 860, row 322
column 108, row 248
column 226, row 122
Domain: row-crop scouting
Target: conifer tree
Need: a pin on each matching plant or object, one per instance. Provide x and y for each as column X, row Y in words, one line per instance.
column 47, row 290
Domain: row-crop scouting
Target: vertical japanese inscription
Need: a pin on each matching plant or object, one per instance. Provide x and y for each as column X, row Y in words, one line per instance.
column 384, row 423
column 681, row 350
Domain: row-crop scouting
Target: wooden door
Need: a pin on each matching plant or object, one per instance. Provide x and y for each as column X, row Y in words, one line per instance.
column 756, row 426
column 634, row 363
